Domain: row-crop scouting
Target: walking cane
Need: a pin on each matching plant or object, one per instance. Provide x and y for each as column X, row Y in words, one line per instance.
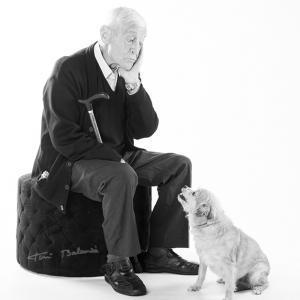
column 88, row 103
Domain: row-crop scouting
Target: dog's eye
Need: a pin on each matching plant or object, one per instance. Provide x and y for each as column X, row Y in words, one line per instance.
column 199, row 213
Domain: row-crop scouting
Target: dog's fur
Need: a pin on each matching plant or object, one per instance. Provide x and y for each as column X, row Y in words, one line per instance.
column 227, row 250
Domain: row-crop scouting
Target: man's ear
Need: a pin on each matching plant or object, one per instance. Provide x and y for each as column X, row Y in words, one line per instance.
column 105, row 34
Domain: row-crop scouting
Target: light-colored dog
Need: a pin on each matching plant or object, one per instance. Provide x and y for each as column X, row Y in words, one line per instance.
column 229, row 252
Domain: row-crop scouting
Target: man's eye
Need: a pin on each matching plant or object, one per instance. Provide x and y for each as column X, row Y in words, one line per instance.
column 193, row 193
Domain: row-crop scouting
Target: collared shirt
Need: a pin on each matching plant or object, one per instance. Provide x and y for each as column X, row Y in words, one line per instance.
column 106, row 70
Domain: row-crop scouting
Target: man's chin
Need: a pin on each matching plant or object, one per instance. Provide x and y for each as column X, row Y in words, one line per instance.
column 127, row 66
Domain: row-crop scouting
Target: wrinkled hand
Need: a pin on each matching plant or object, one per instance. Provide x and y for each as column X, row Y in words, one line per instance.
column 132, row 75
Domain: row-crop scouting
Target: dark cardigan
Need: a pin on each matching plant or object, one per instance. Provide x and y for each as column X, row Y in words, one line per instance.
column 67, row 134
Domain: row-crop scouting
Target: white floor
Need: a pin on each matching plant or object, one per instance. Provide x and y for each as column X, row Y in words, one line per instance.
column 18, row 283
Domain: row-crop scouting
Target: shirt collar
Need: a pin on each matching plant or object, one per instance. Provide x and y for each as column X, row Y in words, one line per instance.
column 106, row 70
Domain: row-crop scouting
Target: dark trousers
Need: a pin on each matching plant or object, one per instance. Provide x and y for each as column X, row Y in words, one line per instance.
column 114, row 184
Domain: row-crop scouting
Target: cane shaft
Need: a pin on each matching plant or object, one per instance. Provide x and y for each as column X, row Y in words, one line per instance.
column 95, row 126
column 88, row 104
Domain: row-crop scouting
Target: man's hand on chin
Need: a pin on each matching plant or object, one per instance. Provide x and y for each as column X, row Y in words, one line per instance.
column 132, row 75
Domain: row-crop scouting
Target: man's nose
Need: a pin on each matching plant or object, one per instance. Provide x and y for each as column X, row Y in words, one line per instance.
column 135, row 48
column 135, row 51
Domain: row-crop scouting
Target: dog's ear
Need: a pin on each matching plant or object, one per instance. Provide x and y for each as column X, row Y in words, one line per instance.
column 212, row 213
column 214, row 207
column 216, row 212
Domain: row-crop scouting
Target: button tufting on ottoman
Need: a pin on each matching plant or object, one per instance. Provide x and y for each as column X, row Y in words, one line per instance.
column 70, row 244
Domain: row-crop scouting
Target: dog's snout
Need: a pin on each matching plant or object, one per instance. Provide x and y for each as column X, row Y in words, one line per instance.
column 184, row 188
column 182, row 197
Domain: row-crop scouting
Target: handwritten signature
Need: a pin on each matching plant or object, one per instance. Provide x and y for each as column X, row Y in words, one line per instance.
column 63, row 253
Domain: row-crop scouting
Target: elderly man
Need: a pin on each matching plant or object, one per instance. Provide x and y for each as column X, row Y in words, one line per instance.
column 110, row 171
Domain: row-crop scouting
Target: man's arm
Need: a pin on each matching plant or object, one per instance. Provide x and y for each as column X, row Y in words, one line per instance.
column 141, row 116
column 62, row 116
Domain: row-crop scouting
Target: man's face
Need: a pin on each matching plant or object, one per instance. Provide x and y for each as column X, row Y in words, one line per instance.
column 125, row 45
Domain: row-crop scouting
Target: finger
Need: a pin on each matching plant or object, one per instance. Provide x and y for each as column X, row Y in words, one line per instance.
column 138, row 62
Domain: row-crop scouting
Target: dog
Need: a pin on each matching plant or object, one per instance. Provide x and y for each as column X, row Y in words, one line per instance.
column 225, row 249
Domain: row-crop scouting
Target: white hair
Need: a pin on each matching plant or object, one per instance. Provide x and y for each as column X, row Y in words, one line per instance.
column 122, row 17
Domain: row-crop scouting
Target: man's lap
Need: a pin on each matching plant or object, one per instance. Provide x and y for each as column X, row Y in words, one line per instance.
column 151, row 168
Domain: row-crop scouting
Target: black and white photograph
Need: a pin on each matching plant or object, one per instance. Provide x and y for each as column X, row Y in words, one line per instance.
column 150, row 149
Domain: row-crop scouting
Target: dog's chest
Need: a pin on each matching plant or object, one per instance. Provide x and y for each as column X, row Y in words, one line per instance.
column 210, row 252
column 213, row 252
column 214, row 258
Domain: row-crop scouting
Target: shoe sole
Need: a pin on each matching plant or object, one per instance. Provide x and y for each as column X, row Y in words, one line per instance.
column 132, row 293
column 162, row 270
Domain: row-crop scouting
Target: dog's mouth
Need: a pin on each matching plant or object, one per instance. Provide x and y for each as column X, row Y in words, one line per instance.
column 182, row 197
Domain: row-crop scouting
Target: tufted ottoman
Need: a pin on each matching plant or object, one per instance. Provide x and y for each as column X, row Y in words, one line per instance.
column 70, row 244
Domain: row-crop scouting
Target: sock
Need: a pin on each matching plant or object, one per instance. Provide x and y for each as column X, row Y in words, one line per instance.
column 114, row 258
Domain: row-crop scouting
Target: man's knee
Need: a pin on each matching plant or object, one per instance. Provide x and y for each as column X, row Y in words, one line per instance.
column 183, row 161
column 126, row 175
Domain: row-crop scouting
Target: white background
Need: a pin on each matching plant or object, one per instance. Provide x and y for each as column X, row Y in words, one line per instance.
column 224, row 79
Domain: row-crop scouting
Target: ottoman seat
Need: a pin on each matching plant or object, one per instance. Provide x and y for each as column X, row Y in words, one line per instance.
column 70, row 244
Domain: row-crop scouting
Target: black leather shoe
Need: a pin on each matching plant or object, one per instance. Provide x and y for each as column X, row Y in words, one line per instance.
column 121, row 277
column 167, row 262
column 136, row 265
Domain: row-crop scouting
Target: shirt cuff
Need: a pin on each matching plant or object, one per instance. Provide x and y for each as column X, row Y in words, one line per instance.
column 135, row 90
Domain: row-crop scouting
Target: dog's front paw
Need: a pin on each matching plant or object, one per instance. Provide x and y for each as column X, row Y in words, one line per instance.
column 194, row 288
column 257, row 290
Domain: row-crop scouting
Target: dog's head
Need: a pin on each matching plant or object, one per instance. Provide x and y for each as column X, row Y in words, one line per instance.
column 200, row 205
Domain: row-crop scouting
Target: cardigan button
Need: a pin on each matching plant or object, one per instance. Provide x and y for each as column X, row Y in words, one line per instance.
column 91, row 129
column 67, row 187
column 69, row 164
